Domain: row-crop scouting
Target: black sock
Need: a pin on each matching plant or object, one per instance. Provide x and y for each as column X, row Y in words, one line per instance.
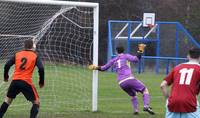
column 34, row 111
column 3, row 109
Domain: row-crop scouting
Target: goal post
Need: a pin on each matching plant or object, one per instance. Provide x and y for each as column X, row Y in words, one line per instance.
column 95, row 59
column 66, row 35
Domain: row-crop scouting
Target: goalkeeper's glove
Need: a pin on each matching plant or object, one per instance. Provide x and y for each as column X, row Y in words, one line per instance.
column 94, row 67
column 141, row 48
column 140, row 51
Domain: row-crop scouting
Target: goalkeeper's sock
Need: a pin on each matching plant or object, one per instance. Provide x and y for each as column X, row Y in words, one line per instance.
column 34, row 111
column 146, row 100
column 134, row 101
column 3, row 109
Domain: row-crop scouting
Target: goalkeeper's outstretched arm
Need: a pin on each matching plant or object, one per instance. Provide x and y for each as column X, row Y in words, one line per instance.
column 108, row 65
column 104, row 67
column 94, row 67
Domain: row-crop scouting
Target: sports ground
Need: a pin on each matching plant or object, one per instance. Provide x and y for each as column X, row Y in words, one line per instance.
column 112, row 101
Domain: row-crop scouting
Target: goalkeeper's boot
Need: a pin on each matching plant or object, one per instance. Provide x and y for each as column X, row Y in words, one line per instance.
column 149, row 110
column 136, row 113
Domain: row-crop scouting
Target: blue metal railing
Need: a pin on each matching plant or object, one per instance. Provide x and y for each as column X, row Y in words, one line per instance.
column 179, row 28
column 167, row 59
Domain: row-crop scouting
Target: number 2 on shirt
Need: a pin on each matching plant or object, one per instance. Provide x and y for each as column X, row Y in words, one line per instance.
column 186, row 76
column 24, row 61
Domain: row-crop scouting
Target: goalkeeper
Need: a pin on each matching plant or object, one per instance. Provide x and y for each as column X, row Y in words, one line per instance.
column 125, row 77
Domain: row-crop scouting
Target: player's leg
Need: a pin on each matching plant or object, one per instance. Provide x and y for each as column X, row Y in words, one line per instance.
column 5, row 106
column 31, row 95
column 146, row 98
column 35, row 103
column 34, row 98
column 134, row 101
column 13, row 91
column 140, row 87
column 34, row 109
column 146, row 101
column 131, row 92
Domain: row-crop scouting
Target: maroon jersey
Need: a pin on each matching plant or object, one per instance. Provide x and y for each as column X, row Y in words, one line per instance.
column 185, row 80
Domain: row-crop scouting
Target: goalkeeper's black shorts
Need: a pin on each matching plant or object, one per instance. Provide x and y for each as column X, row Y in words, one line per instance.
column 26, row 89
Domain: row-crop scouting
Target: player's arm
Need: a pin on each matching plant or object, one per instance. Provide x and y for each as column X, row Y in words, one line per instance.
column 168, row 80
column 107, row 65
column 7, row 66
column 40, row 71
column 163, row 87
column 133, row 59
column 138, row 56
column 104, row 67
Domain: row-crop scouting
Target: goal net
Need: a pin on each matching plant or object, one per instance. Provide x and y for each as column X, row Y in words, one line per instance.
column 65, row 34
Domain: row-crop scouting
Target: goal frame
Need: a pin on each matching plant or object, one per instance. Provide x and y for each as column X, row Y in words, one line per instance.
column 95, row 7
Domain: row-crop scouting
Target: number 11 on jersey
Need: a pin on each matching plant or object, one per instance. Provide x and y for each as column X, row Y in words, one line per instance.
column 186, row 76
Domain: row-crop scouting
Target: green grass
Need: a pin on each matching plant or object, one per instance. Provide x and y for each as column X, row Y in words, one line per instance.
column 115, row 101
column 67, row 94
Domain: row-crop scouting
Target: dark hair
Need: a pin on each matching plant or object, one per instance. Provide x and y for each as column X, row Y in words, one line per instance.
column 120, row 49
column 28, row 44
column 194, row 53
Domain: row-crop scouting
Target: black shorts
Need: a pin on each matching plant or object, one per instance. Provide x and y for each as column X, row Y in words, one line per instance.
column 27, row 90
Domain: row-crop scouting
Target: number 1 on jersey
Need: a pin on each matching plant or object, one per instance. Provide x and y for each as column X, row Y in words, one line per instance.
column 119, row 63
column 186, row 76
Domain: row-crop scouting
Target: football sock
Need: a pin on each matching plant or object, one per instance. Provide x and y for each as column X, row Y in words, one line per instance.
column 34, row 111
column 134, row 101
column 3, row 109
column 146, row 100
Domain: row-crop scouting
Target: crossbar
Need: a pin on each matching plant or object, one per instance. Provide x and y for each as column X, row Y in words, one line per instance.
column 53, row 2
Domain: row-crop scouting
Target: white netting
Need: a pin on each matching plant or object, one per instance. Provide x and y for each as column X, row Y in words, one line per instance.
column 64, row 36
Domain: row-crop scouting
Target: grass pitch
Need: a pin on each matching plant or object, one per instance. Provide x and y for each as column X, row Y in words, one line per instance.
column 60, row 100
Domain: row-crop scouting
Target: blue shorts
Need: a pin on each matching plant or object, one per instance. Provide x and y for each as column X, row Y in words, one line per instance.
column 195, row 114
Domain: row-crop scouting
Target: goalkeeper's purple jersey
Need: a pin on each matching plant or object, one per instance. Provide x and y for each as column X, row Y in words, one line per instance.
column 121, row 65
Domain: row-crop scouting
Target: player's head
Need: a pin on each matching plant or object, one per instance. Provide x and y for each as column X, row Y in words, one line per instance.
column 120, row 49
column 194, row 53
column 28, row 44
